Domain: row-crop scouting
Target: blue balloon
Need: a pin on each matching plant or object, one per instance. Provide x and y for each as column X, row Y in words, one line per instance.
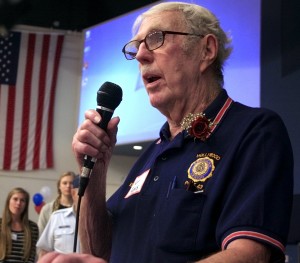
column 38, row 199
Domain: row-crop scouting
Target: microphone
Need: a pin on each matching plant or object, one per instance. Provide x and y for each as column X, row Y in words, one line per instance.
column 109, row 96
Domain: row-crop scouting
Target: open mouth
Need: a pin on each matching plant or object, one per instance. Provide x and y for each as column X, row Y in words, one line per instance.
column 151, row 78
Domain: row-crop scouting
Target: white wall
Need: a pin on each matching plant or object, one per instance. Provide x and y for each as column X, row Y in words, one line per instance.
column 65, row 125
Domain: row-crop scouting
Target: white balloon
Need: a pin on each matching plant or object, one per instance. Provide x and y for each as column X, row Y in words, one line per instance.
column 46, row 193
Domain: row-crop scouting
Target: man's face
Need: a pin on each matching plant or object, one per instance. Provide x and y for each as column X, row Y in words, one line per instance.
column 170, row 73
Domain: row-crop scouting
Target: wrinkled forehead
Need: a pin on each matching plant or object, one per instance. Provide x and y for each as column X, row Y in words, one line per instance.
column 165, row 20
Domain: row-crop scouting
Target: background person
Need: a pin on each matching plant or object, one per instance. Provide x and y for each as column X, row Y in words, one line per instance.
column 63, row 199
column 18, row 234
column 217, row 184
column 59, row 232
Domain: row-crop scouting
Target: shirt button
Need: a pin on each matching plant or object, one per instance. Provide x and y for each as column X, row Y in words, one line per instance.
column 164, row 158
column 155, row 178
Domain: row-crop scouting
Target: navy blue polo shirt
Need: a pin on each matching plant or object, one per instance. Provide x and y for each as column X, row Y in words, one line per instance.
column 246, row 190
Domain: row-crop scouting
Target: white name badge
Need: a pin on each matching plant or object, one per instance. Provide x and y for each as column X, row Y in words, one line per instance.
column 137, row 184
column 14, row 236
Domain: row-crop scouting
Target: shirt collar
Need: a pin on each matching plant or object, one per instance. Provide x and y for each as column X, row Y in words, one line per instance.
column 210, row 112
column 69, row 211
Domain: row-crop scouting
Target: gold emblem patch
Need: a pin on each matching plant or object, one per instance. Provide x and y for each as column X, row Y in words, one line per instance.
column 198, row 172
column 201, row 169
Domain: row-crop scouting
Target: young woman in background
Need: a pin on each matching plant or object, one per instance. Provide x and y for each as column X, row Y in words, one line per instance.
column 18, row 234
column 63, row 199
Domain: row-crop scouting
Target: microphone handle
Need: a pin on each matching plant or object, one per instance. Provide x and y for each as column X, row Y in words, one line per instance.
column 106, row 115
column 89, row 161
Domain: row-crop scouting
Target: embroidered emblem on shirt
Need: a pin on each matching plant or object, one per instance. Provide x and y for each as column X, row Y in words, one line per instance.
column 198, row 172
column 201, row 169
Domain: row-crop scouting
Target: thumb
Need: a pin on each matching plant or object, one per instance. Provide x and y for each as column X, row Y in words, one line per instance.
column 112, row 129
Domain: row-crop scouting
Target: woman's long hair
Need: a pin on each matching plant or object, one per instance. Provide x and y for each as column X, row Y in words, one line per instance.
column 5, row 235
column 56, row 202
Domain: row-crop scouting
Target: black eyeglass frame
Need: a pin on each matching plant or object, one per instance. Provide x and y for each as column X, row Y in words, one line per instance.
column 164, row 33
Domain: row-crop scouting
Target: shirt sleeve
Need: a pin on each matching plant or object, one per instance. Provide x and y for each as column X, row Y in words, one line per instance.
column 260, row 194
column 44, row 216
column 46, row 240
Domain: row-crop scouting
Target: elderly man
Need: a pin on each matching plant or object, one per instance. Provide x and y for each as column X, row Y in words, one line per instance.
column 217, row 184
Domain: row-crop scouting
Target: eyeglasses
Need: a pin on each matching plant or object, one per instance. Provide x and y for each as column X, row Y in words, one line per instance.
column 153, row 41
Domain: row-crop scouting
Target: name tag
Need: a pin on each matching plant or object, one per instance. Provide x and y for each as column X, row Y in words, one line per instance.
column 66, row 226
column 137, row 184
column 14, row 236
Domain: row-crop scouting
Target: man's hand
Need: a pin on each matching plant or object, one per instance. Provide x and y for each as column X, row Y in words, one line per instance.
column 54, row 257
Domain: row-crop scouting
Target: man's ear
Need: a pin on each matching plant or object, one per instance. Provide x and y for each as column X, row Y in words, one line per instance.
column 209, row 51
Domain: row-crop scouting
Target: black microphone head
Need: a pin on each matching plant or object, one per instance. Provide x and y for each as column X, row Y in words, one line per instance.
column 109, row 95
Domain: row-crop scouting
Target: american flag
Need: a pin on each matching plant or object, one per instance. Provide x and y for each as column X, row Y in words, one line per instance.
column 29, row 65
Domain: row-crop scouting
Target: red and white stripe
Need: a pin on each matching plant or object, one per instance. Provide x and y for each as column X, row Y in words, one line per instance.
column 252, row 235
column 221, row 114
